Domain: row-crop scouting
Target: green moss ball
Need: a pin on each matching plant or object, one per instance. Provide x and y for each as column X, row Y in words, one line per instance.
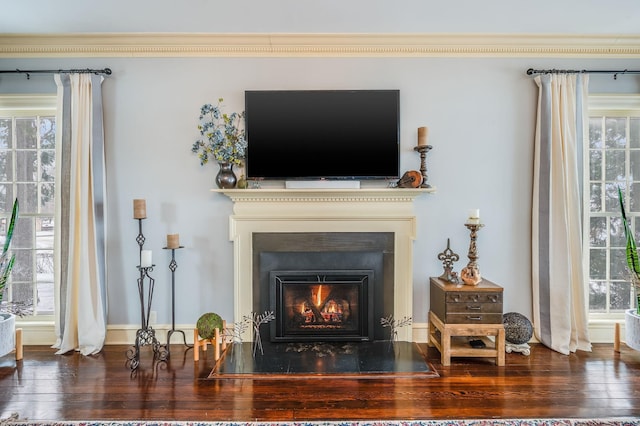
column 207, row 324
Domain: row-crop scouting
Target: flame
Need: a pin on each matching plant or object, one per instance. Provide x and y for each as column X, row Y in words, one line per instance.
column 319, row 296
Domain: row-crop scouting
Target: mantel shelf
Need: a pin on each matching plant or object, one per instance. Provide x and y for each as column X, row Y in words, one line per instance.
column 325, row 194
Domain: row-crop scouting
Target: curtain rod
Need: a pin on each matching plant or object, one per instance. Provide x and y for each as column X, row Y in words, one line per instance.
column 106, row 71
column 615, row 73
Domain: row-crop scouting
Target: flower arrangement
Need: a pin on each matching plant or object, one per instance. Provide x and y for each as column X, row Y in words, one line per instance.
column 222, row 138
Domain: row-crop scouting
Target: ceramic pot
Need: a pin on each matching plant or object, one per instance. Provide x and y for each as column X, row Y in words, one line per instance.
column 226, row 179
column 7, row 333
column 632, row 329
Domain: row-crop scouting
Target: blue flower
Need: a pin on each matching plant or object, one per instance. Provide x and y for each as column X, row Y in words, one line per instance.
column 222, row 138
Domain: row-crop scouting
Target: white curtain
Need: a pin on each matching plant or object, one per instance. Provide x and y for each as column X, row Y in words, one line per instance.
column 81, row 302
column 559, row 308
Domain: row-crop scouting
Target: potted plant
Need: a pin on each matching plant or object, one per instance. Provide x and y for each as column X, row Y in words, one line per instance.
column 632, row 316
column 223, row 140
column 7, row 319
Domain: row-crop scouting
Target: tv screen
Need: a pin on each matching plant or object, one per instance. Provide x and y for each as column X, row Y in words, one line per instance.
column 322, row 134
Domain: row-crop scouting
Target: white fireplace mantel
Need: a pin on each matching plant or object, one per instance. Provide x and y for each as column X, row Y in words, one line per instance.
column 324, row 210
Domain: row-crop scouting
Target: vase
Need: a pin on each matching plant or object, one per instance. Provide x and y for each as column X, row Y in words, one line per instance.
column 632, row 329
column 7, row 333
column 226, row 179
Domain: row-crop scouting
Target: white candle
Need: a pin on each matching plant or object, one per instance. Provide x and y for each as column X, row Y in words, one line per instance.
column 474, row 214
column 145, row 258
column 173, row 241
column 422, row 135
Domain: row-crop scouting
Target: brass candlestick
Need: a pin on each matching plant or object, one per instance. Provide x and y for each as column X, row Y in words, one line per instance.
column 423, row 149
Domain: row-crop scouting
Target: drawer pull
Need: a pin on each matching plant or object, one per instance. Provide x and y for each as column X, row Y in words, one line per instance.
column 474, row 318
column 473, row 308
column 456, row 298
column 493, row 298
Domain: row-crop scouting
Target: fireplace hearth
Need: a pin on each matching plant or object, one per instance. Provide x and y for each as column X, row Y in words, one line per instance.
column 323, row 305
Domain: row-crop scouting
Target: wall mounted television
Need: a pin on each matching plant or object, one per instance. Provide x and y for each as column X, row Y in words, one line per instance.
column 322, row 134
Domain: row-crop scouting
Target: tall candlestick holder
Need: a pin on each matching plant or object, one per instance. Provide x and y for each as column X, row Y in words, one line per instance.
column 173, row 265
column 423, row 149
column 470, row 275
column 146, row 335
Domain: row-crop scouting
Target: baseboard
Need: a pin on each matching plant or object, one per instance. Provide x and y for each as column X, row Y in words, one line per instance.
column 322, row 184
column 43, row 333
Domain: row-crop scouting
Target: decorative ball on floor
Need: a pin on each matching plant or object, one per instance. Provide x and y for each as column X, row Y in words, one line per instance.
column 207, row 324
column 517, row 328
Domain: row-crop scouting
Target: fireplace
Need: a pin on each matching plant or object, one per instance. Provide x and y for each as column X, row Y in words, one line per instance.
column 323, row 305
column 334, row 217
column 289, row 267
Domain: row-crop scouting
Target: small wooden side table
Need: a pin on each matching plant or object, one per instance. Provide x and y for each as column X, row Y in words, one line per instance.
column 452, row 340
column 458, row 312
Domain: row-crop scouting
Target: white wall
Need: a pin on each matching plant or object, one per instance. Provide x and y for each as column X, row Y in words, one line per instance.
column 480, row 112
column 309, row 16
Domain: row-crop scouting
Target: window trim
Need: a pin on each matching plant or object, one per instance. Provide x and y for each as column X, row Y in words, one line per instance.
column 600, row 104
column 21, row 105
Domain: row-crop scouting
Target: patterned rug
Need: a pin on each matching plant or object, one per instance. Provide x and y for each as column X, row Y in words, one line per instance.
column 625, row 421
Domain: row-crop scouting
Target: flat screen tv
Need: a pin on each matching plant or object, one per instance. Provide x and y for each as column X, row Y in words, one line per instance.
column 322, row 134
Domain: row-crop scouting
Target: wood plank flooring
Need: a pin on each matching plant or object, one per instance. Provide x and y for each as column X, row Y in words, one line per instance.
column 546, row 384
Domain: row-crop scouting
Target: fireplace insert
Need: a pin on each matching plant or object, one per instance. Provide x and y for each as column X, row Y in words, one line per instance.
column 324, row 305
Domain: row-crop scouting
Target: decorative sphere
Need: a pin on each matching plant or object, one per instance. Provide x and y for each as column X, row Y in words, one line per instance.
column 207, row 324
column 517, row 328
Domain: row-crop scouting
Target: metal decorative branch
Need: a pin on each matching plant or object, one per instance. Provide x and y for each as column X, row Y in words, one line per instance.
column 257, row 320
column 394, row 325
column 236, row 332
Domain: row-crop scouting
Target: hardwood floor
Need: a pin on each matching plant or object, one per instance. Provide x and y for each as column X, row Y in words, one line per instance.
column 45, row 386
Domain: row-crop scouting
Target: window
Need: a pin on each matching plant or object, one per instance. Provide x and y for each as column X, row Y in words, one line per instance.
column 612, row 160
column 27, row 172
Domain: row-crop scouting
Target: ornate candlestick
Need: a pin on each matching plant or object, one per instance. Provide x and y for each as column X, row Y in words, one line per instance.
column 470, row 275
column 423, row 149
column 173, row 265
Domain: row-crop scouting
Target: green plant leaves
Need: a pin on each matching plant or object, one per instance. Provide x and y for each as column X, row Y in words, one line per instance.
column 632, row 250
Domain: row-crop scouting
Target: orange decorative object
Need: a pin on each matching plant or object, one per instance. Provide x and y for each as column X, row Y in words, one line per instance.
column 411, row 179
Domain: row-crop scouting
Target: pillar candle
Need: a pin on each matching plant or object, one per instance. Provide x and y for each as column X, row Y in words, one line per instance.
column 139, row 209
column 145, row 258
column 422, row 135
column 474, row 216
column 173, row 241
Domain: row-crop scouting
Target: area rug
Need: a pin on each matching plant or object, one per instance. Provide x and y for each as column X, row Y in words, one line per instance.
column 323, row 359
column 480, row 422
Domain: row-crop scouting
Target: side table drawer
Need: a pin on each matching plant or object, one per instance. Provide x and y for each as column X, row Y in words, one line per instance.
column 473, row 318
column 474, row 308
column 466, row 297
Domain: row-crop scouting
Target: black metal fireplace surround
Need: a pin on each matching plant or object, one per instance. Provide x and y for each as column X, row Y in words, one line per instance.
column 324, row 286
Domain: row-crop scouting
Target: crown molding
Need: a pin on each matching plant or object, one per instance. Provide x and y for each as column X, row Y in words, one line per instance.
column 316, row 45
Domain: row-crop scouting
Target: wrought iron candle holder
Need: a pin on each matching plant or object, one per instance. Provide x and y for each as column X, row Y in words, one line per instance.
column 173, row 265
column 423, row 149
column 146, row 335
